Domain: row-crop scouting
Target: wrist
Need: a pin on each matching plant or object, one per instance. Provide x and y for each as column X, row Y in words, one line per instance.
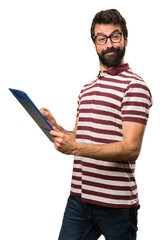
column 75, row 150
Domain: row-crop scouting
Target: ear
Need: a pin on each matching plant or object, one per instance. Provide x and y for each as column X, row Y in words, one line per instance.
column 126, row 42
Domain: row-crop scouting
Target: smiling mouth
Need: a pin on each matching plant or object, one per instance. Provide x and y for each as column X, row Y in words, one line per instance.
column 110, row 53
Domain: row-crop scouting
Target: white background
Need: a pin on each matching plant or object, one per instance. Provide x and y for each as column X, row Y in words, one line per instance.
column 46, row 50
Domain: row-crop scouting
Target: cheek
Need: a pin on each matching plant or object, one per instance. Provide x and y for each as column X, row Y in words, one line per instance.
column 99, row 48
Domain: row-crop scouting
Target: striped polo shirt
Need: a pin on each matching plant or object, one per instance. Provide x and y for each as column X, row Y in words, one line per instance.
column 115, row 96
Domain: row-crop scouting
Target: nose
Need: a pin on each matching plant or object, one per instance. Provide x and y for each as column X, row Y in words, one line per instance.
column 109, row 42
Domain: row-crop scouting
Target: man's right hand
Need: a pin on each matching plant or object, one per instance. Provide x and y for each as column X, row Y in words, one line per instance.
column 49, row 117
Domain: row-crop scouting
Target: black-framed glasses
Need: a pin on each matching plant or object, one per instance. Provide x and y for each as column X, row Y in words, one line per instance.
column 101, row 39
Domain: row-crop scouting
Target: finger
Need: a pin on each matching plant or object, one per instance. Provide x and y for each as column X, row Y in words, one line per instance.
column 56, row 129
column 54, row 133
column 44, row 110
column 57, row 144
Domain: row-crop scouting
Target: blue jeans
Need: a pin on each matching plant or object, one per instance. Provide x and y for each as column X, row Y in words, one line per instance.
column 83, row 221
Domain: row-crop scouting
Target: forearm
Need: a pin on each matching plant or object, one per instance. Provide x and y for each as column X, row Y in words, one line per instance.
column 126, row 150
column 118, row 151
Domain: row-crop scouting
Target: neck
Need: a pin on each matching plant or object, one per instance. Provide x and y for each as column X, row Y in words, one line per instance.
column 105, row 68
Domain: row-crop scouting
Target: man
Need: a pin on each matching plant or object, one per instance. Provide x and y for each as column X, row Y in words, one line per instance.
column 106, row 141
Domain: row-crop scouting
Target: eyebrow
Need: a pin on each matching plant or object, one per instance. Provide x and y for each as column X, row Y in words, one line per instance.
column 116, row 30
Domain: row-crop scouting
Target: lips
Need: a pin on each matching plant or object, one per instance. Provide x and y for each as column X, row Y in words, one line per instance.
column 109, row 51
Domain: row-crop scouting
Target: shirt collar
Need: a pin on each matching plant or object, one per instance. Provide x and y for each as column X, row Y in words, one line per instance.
column 116, row 70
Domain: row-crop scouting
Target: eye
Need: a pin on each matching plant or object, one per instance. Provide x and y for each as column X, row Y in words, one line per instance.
column 101, row 39
column 115, row 36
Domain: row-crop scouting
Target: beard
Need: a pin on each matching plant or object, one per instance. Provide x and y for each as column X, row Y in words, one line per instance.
column 112, row 60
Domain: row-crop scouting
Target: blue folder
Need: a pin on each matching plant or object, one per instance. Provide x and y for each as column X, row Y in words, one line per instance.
column 33, row 111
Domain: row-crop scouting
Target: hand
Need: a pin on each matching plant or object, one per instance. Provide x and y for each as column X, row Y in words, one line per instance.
column 63, row 142
column 49, row 117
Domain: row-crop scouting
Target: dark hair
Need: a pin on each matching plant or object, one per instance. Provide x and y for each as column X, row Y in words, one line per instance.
column 110, row 16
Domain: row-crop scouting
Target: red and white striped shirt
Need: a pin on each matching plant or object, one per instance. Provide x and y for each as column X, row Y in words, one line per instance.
column 115, row 96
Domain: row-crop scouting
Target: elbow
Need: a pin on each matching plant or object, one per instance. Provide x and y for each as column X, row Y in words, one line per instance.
column 134, row 157
column 133, row 154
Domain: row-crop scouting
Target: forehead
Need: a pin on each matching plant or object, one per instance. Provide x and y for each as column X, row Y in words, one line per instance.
column 106, row 28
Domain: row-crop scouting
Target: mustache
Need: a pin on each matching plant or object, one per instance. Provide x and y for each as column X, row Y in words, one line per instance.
column 110, row 50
